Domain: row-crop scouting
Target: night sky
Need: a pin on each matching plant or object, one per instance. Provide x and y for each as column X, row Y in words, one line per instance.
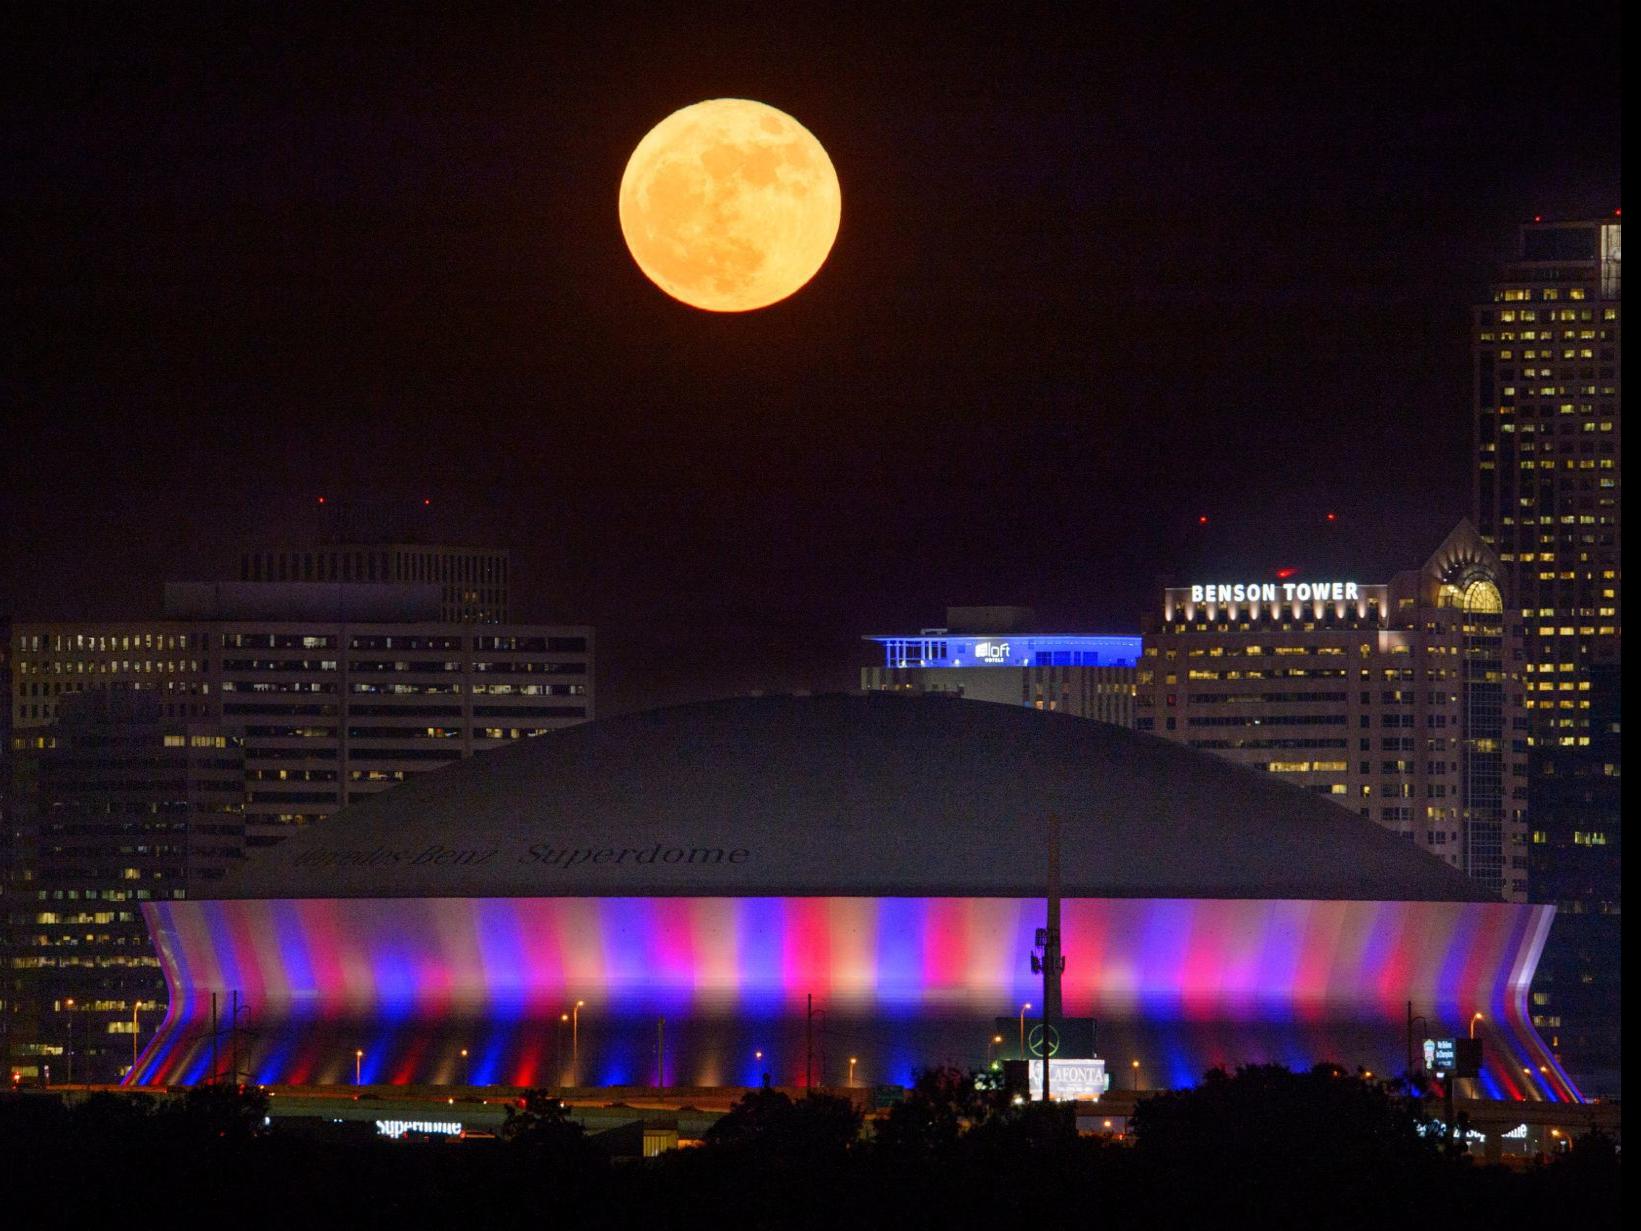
column 1093, row 282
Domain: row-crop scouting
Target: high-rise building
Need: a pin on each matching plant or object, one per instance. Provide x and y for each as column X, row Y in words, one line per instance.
column 118, row 806
column 1401, row 701
column 1549, row 497
column 1548, row 451
column 320, row 693
column 993, row 654
column 8, row 828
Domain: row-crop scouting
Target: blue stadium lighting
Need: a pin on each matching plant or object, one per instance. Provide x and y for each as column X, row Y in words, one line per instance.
column 1009, row 651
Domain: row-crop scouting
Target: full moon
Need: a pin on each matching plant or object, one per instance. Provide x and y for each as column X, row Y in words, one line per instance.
column 729, row 205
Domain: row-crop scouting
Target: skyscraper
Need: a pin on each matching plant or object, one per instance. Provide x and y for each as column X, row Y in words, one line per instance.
column 1400, row 700
column 145, row 755
column 118, row 805
column 1548, row 497
column 1548, row 451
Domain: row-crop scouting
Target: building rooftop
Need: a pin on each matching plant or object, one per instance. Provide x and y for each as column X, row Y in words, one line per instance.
column 876, row 795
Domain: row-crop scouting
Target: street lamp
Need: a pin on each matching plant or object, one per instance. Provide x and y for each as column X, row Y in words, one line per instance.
column 1024, row 1009
column 991, row 1048
column 1474, row 1018
column 853, row 1060
column 68, row 1016
column 358, row 1065
column 1136, row 1067
column 467, row 1070
column 575, row 1037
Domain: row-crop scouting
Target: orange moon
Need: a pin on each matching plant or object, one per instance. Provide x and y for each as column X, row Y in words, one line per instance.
column 729, row 205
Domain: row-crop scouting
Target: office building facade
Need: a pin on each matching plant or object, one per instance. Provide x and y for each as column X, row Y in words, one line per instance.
column 1401, row 701
column 117, row 806
column 1549, row 497
column 320, row 694
column 1548, row 392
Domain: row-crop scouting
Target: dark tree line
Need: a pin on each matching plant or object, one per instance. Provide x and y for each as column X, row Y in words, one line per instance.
column 1262, row 1147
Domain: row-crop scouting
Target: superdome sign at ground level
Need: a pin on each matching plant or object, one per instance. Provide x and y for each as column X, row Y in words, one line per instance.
column 475, row 991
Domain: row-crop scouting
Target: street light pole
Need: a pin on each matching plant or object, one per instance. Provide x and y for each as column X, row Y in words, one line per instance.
column 1474, row 1018
column 1136, row 1083
column 661, row 1053
column 68, row 1016
column 852, row 1062
column 358, row 1066
column 575, row 1039
column 1053, row 963
column 133, row 1038
column 1411, row 1018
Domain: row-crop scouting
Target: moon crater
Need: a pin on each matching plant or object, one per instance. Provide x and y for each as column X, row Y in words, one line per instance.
column 729, row 205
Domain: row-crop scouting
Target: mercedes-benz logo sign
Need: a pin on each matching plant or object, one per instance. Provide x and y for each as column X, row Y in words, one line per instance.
column 1034, row 1040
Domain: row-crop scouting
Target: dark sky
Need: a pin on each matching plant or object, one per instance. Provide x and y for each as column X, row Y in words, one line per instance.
column 1096, row 277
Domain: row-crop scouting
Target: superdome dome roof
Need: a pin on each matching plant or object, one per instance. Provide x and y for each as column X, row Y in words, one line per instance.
column 875, row 795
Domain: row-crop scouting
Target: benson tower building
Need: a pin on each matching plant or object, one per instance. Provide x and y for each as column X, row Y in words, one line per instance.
column 1400, row 701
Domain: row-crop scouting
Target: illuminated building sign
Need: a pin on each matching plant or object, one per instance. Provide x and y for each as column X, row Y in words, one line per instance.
column 1278, row 591
column 1460, row 1057
column 1439, row 1055
column 944, row 650
column 436, row 1128
column 1072, row 1079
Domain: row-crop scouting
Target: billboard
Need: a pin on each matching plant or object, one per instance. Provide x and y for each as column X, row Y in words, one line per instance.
column 1070, row 1079
column 1067, row 1036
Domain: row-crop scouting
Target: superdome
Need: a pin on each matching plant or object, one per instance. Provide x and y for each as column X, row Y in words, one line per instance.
column 874, row 795
column 737, row 869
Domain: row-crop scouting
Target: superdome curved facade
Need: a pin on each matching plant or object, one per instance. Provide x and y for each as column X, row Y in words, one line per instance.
column 535, row 914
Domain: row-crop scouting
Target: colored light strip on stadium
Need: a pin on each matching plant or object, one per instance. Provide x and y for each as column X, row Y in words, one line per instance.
column 1189, row 984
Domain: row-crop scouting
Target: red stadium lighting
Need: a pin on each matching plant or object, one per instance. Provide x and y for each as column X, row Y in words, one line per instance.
column 321, row 500
column 1538, row 217
column 1202, row 521
column 1333, row 517
column 1285, row 573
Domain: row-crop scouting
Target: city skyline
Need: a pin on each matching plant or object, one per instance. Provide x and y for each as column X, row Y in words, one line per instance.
column 1093, row 283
